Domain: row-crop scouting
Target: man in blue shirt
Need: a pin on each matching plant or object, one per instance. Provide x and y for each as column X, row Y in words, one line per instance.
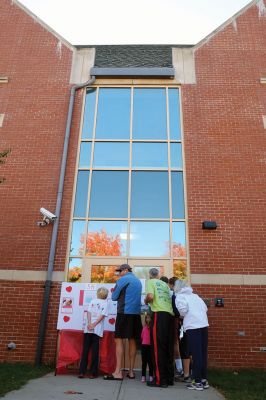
column 127, row 293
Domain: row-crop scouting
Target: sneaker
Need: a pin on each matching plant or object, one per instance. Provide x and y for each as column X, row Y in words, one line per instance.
column 205, row 384
column 179, row 376
column 80, row 376
column 143, row 379
column 151, row 378
column 195, row 386
column 187, row 379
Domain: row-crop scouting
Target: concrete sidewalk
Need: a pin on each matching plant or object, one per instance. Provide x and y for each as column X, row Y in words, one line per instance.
column 60, row 388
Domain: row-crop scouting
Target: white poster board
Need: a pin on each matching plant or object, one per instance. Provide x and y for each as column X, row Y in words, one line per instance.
column 74, row 299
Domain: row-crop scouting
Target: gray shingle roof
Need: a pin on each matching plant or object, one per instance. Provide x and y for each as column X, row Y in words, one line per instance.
column 134, row 56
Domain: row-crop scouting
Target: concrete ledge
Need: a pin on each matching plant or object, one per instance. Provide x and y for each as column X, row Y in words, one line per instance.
column 26, row 275
column 228, row 279
column 200, row 279
column 168, row 72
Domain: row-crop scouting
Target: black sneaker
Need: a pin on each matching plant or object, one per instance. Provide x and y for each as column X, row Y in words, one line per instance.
column 179, row 376
column 205, row 384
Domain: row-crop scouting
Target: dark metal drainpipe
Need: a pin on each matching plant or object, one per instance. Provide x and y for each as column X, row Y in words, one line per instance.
column 48, row 282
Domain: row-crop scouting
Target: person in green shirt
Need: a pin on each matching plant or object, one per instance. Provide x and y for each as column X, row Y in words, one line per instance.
column 162, row 330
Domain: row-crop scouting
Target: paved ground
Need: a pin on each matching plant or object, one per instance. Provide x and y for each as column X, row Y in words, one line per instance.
column 60, row 388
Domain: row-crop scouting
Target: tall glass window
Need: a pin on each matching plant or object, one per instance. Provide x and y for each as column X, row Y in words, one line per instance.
column 129, row 197
column 149, row 118
column 149, row 195
column 113, row 116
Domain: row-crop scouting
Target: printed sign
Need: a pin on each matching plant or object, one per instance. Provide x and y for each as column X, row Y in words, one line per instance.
column 74, row 300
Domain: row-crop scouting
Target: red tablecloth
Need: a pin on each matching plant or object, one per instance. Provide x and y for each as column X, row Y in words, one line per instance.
column 70, row 349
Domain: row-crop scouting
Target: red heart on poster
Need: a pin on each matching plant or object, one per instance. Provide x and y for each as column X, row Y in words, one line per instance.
column 112, row 321
column 111, row 290
column 69, row 289
column 66, row 318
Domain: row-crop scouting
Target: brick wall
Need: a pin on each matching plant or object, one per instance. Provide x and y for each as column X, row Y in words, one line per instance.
column 225, row 175
column 225, row 149
column 243, row 314
column 35, row 103
column 19, row 320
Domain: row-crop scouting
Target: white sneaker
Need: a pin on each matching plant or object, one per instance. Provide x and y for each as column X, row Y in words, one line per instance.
column 195, row 386
column 143, row 379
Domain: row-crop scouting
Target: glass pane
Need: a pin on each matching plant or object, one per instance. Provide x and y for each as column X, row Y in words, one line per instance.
column 106, row 238
column 149, row 115
column 149, row 195
column 113, row 117
column 85, row 155
column 104, row 273
column 111, row 154
column 74, row 270
column 81, row 194
column 179, row 239
column 176, row 155
column 174, row 114
column 77, row 239
column 180, row 269
column 152, row 155
column 149, row 239
column 177, row 195
column 88, row 118
column 142, row 271
column 109, row 194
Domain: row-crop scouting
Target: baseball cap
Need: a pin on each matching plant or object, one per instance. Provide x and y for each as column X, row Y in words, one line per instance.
column 123, row 267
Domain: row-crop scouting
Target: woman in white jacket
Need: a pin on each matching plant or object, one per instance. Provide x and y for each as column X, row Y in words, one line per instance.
column 195, row 323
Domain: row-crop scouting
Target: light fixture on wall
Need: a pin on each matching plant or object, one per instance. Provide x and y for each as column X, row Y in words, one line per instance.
column 11, row 346
column 209, row 225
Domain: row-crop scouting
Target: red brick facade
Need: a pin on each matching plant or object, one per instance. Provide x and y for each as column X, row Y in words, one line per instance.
column 226, row 174
column 35, row 103
column 224, row 141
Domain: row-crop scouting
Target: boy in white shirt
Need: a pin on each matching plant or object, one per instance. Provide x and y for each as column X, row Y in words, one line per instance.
column 93, row 330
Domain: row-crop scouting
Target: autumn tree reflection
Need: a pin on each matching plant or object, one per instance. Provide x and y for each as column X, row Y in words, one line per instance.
column 180, row 269
column 178, row 250
column 74, row 274
column 104, row 274
column 101, row 244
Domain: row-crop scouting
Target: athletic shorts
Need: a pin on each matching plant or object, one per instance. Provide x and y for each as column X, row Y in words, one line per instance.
column 183, row 347
column 128, row 326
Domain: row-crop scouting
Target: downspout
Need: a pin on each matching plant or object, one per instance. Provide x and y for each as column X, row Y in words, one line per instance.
column 48, row 282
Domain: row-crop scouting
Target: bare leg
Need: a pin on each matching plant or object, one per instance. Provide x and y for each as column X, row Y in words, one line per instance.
column 119, row 349
column 132, row 356
column 186, row 364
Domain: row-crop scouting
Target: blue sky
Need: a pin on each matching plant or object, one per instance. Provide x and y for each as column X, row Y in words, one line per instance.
column 134, row 21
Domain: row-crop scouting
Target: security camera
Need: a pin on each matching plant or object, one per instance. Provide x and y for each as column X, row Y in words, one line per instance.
column 48, row 216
